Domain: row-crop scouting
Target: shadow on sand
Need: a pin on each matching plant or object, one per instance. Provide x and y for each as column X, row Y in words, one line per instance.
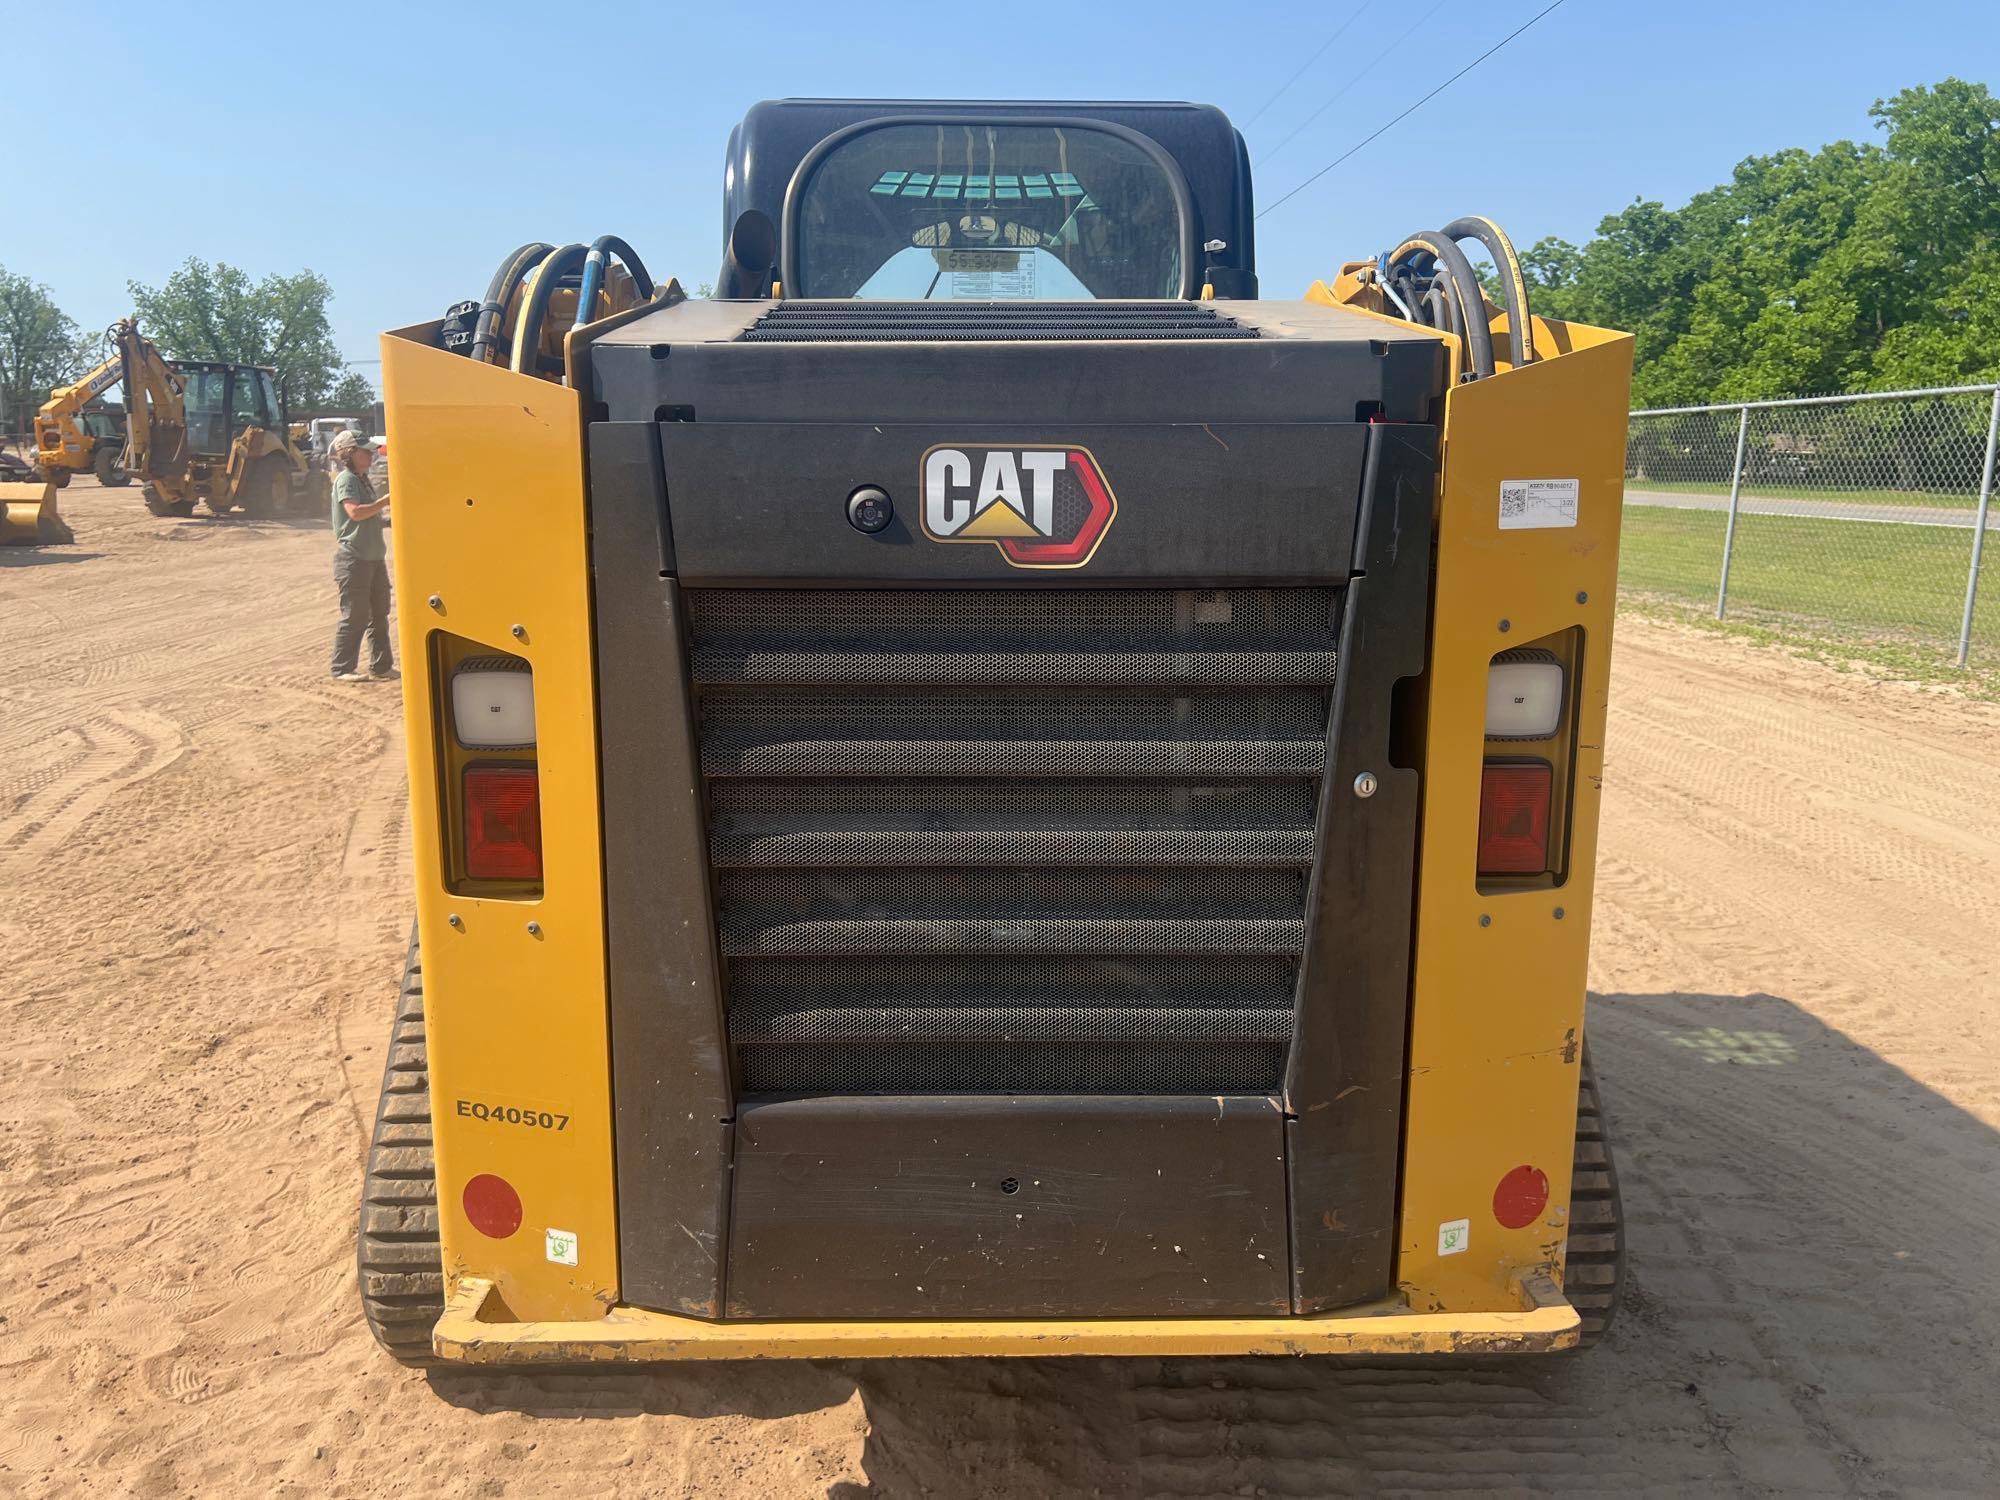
column 237, row 521
column 42, row 555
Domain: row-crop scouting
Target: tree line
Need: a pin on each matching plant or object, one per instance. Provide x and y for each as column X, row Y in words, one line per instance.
column 1854, row 267
column 201, row 311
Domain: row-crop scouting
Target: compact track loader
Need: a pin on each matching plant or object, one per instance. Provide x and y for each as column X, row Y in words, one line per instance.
column 991, row 790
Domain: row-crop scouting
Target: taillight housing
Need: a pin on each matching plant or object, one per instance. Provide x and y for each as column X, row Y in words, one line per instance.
column 503, row 823
column 1524, row 695
column 493, row 703
column 1514, row 802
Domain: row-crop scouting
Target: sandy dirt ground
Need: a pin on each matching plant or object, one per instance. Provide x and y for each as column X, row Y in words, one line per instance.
column 203, row 865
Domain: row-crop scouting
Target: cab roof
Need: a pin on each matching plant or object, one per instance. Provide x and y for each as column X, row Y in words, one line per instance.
column 776, row 137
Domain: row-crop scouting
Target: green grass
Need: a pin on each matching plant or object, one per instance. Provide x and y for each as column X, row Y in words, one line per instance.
column 1888, row 596
column 1944, row 500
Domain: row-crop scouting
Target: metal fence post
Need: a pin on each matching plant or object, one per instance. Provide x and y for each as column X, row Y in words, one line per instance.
column 1735, row 496
column 1979, row 534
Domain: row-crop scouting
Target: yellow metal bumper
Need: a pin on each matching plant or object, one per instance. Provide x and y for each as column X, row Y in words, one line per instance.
column 28, row 515
column 476, row 1329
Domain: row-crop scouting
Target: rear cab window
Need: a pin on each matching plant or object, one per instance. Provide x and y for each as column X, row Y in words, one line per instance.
column 969, row 211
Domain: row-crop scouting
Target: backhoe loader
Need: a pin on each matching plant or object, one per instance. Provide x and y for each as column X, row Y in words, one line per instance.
column 991, row 789
column 203, row 430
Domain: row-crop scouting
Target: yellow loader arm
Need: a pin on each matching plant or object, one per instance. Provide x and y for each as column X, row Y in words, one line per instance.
column 62, row 446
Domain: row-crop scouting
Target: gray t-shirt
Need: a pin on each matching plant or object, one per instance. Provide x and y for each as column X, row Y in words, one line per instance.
column 362, row 539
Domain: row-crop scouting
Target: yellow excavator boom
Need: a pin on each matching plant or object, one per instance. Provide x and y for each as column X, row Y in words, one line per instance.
column 155, row 415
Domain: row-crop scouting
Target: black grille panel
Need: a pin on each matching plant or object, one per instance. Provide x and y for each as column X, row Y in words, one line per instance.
column 954, row 322
column 1227, row 638
column 1224, row 1066
column 1009, row 823
column 863, row 733
column 1012, row 840
column 1013, row 911
column 776, row 999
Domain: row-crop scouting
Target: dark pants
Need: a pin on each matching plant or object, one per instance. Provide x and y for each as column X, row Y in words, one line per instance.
column 364, row 606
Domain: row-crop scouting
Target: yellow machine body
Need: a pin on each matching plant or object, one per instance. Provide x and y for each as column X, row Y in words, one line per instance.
column 28, row 515
column 493, row 539
column 1498, row 983
column 491, row 554
column 232, row 482
column 64, row 444
column 264, row 471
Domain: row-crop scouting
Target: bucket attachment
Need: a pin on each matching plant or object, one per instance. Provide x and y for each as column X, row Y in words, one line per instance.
column 28, row 516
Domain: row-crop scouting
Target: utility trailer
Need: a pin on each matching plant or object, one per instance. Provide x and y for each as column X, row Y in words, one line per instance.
column 990, row 790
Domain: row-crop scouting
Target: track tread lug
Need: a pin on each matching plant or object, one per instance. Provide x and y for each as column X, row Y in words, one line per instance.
column 1594, row 1259
column 399, row 1263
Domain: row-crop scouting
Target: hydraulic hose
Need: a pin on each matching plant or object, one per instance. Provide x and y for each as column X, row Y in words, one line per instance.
column 1513, row 285
column 601, row 249
column 535, row 306
column 1422, row 257
column 486, row 332
column 1444, row 311
column 1405, row 282
column 1388, row 288
column 534, row 272
column 1451, row 263
column 593, row 277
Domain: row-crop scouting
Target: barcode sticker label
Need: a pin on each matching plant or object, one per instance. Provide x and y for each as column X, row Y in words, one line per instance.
column 1532, row 504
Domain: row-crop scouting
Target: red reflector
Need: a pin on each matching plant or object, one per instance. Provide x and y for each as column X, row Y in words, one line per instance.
column 1514, row 819
column 492, row 1206
column 503, row 823
column 1522, row 1195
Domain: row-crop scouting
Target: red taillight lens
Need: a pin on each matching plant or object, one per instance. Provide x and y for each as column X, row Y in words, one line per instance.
column 503, row 823
column 1514, row 818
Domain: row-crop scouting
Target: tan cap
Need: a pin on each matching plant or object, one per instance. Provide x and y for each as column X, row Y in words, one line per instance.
column 347, row 440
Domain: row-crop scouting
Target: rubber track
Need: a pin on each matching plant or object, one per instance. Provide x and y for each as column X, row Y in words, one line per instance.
column 399, row 1265
column 1595, row 1265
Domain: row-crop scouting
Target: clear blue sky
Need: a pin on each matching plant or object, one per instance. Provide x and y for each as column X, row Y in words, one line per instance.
column 388, row 147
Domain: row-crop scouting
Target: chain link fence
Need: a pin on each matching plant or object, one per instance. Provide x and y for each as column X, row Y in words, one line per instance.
column 1856, row 520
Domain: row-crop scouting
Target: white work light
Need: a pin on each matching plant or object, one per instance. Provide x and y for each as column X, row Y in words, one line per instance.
column 1524, row 696
column 493, row 704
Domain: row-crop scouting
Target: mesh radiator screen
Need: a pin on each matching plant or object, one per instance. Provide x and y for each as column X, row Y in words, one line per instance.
column 1028, row 840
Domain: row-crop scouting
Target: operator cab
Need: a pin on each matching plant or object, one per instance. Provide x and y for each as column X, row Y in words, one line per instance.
column 914, row 201
column 224, row 401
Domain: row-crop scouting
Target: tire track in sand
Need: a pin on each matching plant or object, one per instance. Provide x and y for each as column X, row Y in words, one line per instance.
column 111, row 751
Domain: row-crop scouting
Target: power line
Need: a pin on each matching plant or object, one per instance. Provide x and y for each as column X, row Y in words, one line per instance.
column 1359, row 11
column 1387, row 51
column 1351, row 150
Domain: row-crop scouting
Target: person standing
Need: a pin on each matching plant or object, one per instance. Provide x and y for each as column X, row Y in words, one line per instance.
column 360, row 564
